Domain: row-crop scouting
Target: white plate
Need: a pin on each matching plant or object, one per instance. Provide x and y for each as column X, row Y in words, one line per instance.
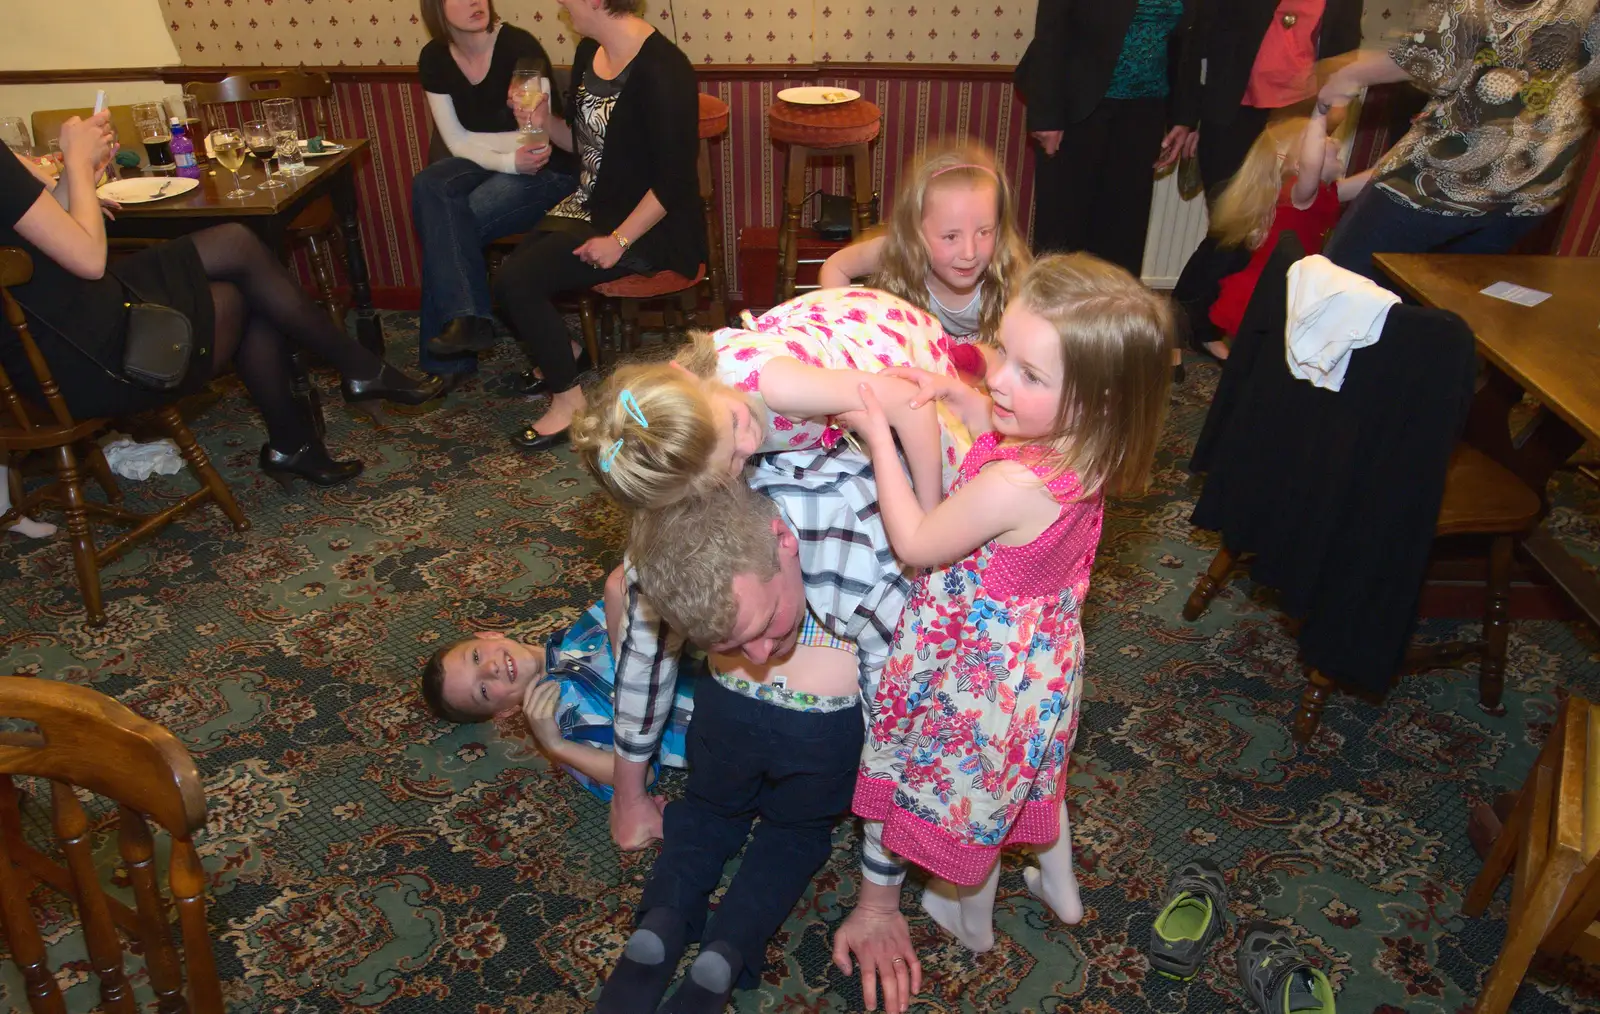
column 328, row 148
column 815, row 95
column 144, row 189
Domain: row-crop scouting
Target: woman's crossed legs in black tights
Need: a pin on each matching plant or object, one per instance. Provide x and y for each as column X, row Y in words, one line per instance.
column 262, row 315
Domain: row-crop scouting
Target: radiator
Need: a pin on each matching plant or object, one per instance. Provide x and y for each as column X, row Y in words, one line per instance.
column 1176, row 227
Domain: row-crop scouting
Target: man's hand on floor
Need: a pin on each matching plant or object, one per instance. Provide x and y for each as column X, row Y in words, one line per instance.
column 636, row 821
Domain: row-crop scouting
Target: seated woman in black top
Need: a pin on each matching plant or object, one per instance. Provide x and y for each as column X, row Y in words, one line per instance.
column 633, row 122
column 493, row 184
column 245, row 307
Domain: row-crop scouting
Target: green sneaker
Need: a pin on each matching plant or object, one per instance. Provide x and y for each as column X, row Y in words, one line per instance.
column 1277, row 975
column 1192, row 916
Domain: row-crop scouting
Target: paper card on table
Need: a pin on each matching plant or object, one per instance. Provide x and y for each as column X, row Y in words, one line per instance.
column 1514, row 293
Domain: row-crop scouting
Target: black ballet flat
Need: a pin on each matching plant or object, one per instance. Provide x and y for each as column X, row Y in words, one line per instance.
column 530, row 386
column 530, row 439
column 462, row 336
column 311, row 463
column 393, row 386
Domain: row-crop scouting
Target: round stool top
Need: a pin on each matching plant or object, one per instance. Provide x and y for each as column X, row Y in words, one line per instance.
column 713, row 116
column 854, row 122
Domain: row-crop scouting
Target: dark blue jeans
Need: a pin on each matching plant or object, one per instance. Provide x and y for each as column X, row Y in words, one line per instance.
column 1378, row 223
column 797, row 771
column 458, row 208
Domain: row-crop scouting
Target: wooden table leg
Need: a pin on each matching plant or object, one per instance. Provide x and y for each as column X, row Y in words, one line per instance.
column 369, row 327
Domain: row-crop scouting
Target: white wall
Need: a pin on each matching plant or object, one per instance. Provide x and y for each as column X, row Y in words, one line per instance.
column 58, row 36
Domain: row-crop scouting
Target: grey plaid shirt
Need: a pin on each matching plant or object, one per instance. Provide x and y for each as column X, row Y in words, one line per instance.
column 854, row 585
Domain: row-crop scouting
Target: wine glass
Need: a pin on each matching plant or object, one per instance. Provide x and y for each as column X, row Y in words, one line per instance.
column 531, row 89
column 264, row 146
column 227, row 143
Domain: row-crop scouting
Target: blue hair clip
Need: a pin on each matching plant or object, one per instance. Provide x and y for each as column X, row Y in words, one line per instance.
column 630, row 405
column 610, row 455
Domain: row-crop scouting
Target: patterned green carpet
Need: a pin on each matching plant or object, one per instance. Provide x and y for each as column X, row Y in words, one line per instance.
column 364, row 856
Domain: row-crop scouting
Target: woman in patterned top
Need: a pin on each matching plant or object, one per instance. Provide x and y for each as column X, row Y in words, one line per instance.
column 1496, row 147
column 1102, row 93
column 633, row 121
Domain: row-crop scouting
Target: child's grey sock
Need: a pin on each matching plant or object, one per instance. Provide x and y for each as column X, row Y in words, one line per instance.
column 646, row 966
column 705, row 990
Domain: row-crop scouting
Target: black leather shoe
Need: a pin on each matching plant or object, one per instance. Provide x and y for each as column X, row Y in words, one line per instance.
column 448, row 382
column 392, row 385
column 530, row 386
column 530, row 439
column 310, row 463
column 463, row 335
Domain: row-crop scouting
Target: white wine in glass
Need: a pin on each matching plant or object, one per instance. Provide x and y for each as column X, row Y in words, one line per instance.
column 228, row 145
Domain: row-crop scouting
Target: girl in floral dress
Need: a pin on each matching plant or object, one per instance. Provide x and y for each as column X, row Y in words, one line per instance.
column 975, row 715
column 660, row 432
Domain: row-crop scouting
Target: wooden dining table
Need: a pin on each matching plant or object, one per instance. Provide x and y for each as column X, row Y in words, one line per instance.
column 268, row 213
column 1550, row 352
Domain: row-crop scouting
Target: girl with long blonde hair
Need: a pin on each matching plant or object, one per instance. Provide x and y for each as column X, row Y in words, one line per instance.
column 655, row 434
column 975, row 715
column 1291, row 178
column 951, row 246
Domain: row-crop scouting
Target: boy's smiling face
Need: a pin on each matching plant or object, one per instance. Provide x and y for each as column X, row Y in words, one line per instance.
column 489, row 673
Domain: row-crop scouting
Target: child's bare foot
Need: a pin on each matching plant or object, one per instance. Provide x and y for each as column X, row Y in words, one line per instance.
column 539, row 708
column 1062, row 898
column 939, row 900
column 1218, row 349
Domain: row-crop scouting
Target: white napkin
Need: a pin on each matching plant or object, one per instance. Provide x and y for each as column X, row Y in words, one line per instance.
column 1332, row 312
column 140, row 461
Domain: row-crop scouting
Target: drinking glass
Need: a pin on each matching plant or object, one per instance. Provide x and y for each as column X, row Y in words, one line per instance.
column 187, row 109
column 283, row 116
column 228, row 145
column 530, row 89
column 14, row 132
column 154, row 134
column 264, row 146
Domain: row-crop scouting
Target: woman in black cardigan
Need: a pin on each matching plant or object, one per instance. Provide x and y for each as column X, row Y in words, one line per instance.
column 634, row 123
column 1110, row 87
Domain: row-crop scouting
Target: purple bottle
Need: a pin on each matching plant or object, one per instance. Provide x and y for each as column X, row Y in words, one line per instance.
column 183, row 151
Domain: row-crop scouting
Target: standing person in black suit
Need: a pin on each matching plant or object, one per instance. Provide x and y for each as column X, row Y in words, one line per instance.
column 1103, row 79
column 1260, row 56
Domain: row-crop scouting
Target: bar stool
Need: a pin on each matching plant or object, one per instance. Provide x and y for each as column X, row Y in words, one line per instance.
column 713, row 123
column 842, row 130
column 630, row 291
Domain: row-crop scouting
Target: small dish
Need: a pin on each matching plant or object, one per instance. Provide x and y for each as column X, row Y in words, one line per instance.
column 328, row 148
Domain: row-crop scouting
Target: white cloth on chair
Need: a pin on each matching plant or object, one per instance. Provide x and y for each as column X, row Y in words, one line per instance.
column 1332, row 312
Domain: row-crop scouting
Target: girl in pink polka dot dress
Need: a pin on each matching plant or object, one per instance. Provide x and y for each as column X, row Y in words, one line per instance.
column 975, row 715
column 657, row 433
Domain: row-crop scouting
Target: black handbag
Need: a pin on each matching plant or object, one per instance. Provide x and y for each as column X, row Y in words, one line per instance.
column 159, row 341
column 836, row 216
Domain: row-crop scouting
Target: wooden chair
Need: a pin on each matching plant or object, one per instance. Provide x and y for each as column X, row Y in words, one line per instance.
column 317, row 227
column 1553, row 837
column 50, row 428
column 1481, row 498
column 85, row 739
column 630, row 292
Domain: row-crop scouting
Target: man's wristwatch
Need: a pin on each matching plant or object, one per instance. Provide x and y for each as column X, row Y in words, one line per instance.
column 622, row 241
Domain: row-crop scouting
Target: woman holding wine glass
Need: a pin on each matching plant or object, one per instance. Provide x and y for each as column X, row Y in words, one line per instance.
column 258, row 137
column 492, row 184
column 245, row 309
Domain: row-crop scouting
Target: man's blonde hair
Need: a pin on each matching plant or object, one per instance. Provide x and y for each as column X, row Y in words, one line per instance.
column 688, row 553
column 1116, row 349
column 649, row 465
